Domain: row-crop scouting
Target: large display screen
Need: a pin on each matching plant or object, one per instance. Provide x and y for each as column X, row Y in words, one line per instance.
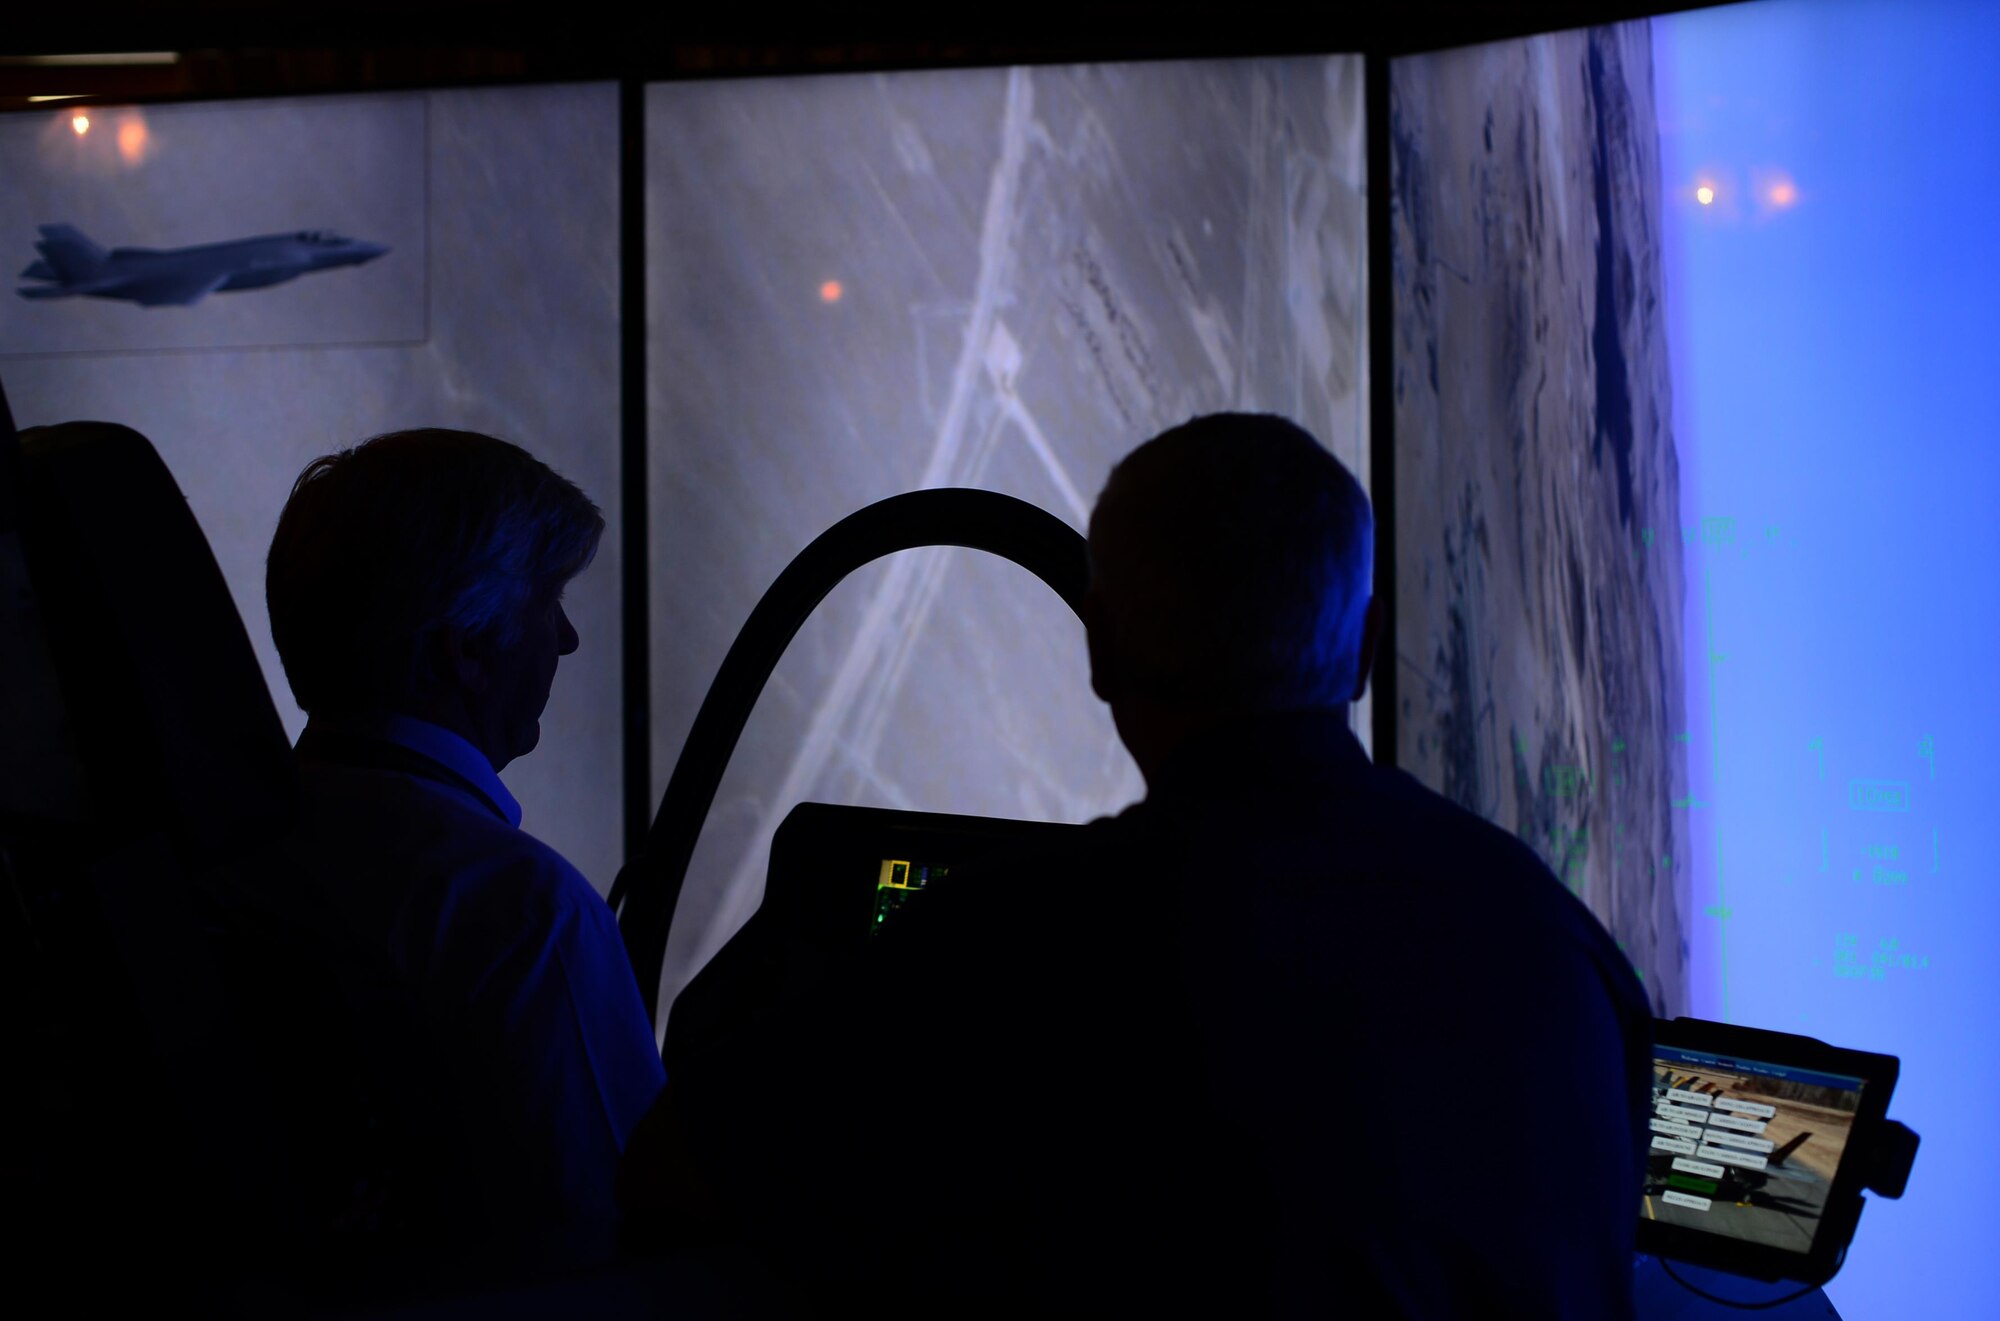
column 253, row 284
column 1003, row 278
column 1694, row 529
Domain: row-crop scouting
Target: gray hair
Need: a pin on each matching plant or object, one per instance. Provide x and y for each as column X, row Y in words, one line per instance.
column 1233, row 558
column 381, row 543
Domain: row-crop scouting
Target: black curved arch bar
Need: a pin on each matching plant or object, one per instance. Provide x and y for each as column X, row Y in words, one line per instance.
column 649, row 885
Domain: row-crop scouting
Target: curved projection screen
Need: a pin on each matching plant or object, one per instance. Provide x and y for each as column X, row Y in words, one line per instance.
column 1004, row 278
column 1694, row 527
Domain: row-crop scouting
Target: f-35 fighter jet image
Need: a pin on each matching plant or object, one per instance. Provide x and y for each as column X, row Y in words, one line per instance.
column 153, row 277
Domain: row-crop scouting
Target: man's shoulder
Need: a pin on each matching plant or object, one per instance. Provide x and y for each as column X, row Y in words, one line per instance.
column 1356, row 816
column 1397, row 802
column 1504, row 888
column 1344, row 852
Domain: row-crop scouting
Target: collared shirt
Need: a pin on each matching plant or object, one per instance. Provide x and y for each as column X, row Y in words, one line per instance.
column 447, row 748
column 532, row 1050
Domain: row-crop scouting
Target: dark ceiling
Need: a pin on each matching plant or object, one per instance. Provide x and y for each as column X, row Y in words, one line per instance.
column 229, row 48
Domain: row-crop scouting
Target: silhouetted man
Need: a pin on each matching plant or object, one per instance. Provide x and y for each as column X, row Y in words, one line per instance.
column 1293, row 1035
column 415, row 587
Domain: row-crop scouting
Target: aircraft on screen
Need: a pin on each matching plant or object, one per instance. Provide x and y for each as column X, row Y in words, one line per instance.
column 155, row 277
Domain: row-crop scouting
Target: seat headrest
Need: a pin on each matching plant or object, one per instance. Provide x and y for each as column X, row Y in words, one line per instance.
column 171, row 716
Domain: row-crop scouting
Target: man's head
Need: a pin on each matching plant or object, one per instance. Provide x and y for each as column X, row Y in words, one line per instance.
column 421, row 573
column 1231, row 565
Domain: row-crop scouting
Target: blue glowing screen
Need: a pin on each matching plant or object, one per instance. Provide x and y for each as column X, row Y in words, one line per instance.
column 1697, row 542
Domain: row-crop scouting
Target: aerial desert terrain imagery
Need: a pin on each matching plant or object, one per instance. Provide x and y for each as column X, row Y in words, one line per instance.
column 1538, row 565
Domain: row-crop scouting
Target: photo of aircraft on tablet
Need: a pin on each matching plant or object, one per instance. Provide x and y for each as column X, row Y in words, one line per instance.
column 1746, row 1157
column 179, row 277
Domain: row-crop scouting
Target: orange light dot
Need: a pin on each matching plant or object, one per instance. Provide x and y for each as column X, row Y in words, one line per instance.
column 830, row 292
column 1784, row 193
column 81, row 123
column 132, row 140
column 1705, row 195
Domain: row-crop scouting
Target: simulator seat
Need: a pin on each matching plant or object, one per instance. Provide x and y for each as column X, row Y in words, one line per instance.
column 194, row 1105
column 143, row 1104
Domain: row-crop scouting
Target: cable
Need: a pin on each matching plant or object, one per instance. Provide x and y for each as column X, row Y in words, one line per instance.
column 1747, row 1307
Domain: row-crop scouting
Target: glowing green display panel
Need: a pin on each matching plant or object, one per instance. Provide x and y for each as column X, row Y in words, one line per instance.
column 898, row 880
